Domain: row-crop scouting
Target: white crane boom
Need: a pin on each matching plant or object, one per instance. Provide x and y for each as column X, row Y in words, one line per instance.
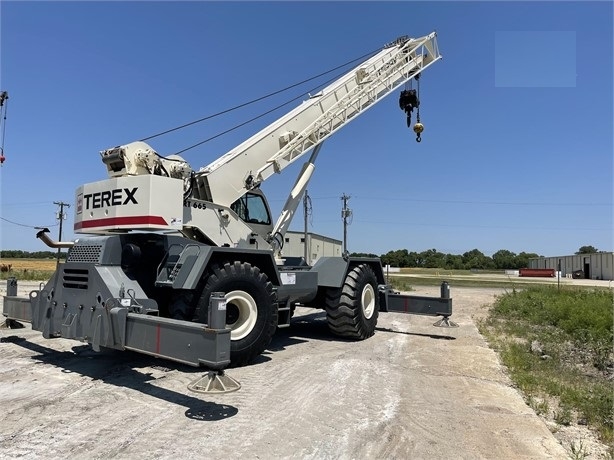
column 281, row 143
column 149, row 192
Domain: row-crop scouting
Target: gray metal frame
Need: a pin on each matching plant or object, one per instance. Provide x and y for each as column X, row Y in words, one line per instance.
column 91, row 298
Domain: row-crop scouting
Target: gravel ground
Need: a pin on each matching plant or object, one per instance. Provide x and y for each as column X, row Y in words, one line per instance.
column 410, row 391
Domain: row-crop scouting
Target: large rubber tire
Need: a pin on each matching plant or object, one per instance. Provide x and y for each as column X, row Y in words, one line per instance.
column 352, row 311
column 251, row 308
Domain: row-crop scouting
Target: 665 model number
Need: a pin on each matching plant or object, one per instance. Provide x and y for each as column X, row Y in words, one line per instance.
column 194, row 204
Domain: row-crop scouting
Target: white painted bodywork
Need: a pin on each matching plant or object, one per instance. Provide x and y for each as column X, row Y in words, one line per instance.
column 173, row 196
column 287, row 139
column 144, row 202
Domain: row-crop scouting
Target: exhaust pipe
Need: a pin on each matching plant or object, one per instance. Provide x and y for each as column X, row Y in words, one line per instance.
column 53, row 244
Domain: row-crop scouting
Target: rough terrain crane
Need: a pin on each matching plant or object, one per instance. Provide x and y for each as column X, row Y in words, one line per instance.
column 188, row 264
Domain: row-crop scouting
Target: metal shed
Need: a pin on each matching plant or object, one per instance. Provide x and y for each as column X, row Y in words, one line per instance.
column 317, row 246
column 597, row 266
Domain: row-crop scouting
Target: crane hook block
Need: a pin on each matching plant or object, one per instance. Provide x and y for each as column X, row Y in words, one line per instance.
column 408, row 101
column 418, row 129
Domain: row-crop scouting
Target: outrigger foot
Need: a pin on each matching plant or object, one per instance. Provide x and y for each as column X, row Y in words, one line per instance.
column 445, row 322
column 214, row 382
column 11, row 324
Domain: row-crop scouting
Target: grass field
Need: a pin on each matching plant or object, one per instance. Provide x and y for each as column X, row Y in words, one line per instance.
column 28, row 269
column 557, row 345
column 30, row 264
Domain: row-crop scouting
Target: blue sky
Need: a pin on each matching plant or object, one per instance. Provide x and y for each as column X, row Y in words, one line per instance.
column 516, row 154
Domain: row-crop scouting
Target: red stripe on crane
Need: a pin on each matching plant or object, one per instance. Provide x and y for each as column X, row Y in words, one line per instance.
column 114, row 221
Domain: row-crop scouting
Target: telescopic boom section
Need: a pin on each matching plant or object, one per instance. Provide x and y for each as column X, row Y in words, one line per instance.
column 290, row 137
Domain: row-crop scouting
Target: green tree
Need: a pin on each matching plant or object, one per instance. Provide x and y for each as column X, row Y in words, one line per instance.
column 398, row 258
column 415, row 259
column 522, row 259
column 453, row 262
column 475, row 259
column 504, row 259
column 433, row 258
column 363, row 254
column 587, row 250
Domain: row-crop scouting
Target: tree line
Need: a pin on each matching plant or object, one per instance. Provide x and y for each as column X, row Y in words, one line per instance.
column 474, row 259
column 431, row 258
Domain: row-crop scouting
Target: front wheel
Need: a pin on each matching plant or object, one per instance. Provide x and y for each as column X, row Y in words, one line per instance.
column 251, row 308
column 352, row 311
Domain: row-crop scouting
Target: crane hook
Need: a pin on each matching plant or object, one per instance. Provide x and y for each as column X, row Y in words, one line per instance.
column 418, row 128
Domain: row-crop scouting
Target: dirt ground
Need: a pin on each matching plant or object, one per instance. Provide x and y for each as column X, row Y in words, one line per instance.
column 411, row 391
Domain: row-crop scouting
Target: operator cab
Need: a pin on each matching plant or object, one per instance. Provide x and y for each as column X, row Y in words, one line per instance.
column 253, row 209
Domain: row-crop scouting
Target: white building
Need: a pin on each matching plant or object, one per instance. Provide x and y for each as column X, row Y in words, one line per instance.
column 317, row 246
column 598, row 266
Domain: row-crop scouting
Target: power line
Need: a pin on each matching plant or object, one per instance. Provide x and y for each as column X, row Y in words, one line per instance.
column 27, row 203
column 25, row 225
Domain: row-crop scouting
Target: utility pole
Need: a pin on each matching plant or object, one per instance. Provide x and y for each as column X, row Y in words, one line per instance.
column 61, row 216
column 346, row 213
column 306, row 201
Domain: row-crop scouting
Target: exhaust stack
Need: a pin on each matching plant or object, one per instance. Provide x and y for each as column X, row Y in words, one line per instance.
column 53, row 244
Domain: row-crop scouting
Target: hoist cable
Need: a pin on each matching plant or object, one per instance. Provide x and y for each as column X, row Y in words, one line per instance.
column 4, row 110
column 257, row 99
column 255, row 118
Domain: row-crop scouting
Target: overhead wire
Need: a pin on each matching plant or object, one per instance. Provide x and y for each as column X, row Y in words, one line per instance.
column 208, row 117
column 28, row 226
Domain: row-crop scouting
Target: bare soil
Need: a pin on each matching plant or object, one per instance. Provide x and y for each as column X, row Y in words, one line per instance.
column 410, row 391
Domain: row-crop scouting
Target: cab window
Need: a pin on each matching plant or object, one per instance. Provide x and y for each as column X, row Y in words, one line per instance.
column 252, row 209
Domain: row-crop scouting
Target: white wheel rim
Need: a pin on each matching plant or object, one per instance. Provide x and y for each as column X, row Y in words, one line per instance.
column 248, row 313
column 367, row 300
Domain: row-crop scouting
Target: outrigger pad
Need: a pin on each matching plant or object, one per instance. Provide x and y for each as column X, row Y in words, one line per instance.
column 214, row 382
column 11, row 324
column 445, row 322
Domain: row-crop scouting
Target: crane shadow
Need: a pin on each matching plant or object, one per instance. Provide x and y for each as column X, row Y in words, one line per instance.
column 416, row 334
column 118, row 368
column 304, row 328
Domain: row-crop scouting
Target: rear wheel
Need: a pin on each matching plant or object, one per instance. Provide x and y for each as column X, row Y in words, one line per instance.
column 251, row 308
column 352, row 311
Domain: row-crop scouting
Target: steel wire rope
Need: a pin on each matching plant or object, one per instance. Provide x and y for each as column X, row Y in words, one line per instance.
column 258, row 116
column 4, row 108
column 258, row 99
column 4, row 105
